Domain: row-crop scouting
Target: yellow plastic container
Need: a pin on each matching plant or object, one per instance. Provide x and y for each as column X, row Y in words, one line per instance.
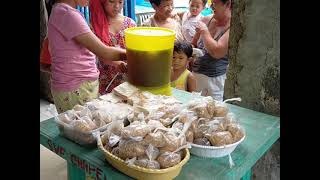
column 149, row 54
column 141, row 173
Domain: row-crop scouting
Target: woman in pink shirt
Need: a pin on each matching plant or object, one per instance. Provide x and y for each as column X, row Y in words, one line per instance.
column 72, row 47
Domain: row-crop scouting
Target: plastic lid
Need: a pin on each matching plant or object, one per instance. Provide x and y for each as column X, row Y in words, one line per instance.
column 150, row 31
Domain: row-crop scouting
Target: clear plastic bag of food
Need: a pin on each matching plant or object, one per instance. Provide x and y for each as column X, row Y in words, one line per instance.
column 220, row 138
column 202, row 141
column 131, row 148
column 65, row 118
column 148, row 160
column 203, row 106
column 236, row 131
column 168, row 159
column 221, row 109
column 189, row 136
column 102, row 115
column 80, row 125
column 154, row 124
column 156, row 139
column 99, row 123
column 178, row 125
column 136, row 129
column 83, row 112
column 93, row 105
column 174, row 138
column 113, row 140
column 114, row 127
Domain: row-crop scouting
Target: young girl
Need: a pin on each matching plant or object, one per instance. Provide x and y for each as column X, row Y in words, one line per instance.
column 109, row 24
column 181, row 77
column 164, row 17
column 74, row 75
column 190, row 19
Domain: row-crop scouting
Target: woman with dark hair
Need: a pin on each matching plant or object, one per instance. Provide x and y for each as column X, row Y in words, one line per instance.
column 109, row 24
column 212, row 37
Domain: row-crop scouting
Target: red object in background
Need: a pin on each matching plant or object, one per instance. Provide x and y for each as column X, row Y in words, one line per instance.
column 45, row 57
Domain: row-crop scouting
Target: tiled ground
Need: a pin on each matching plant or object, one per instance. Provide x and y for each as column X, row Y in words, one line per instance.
column 52, row 167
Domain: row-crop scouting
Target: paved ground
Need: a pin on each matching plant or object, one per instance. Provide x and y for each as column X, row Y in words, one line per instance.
column 52, row 167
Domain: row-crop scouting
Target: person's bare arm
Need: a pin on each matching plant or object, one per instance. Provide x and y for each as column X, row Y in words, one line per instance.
column 195, row 39
column 216, row 49
column 180, row 14
column 191, row 83
column 106, row 53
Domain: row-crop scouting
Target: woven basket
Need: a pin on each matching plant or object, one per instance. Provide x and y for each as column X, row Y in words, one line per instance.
column 144, row 173
column 213, row 151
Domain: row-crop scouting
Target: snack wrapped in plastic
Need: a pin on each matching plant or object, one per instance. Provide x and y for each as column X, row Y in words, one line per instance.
column 113, row 140
column 202, row 141
column 236, row 131
column 168, row 159
column 80, row 125
column 137, row 113
column 108, row 148
column 215, row 125
column 65, row 118
column 71, row 114
column 154, row 124
column 98, row 122
column 203, row 106
column 102, row 115
column 200, row 128
column 229, row 118
column 148, row 161
column 114, row 127
column 152, row 152
column 137, row 129
column 83, row 112
column 119, row 110
column 174, row 138
column 187, row 116
column 220, row 110
column 156, row 139
column 116, row 151
column 178, row 125
column 88, row 120
column 220, row 138
column 166, row 121
column 131, row 148
column 94, row 104
column 189, row 136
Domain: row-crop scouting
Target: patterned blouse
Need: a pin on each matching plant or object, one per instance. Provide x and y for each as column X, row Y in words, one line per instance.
column 107, row 72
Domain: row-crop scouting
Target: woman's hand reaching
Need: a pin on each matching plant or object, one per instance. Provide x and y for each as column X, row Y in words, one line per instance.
column 120, row 66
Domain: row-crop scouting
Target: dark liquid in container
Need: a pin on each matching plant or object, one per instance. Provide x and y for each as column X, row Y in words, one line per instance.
column 149, row 68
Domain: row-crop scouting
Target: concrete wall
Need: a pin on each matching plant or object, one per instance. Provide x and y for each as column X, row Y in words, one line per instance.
column 254, row 70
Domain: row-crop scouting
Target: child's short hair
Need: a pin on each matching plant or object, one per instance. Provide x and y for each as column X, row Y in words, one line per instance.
column 156, row 2
column 183, row 46
column 203, row 1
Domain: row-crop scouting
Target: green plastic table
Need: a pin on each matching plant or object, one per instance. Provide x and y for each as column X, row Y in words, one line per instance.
column 262, row 131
